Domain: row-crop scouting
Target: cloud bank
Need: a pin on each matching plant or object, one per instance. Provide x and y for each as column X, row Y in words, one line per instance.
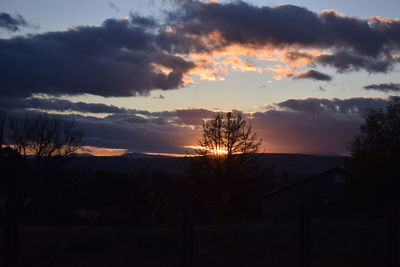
column 385, row 87
column 12, row 23
column 311, row 125
column 125, row 57
column 115, row 59
column 313, row 74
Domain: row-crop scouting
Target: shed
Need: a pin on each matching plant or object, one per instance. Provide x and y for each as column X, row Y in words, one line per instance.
column 325, row 191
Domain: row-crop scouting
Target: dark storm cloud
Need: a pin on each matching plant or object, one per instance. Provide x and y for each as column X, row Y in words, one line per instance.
column 148, row 22
column 313, row 74
column 113, row 6
column 344, row 61
column 296, row 55
column 193, row 116
column 58, row 105
column 133, row 56
column 114, row 132
column 384, row 87
column 297, row 132
column 12, row 23
column 136, row 136
column 321, row 126
column 333, row 106
column 355, row 43
column 183, row 117
column 115, row 59
column 287, row 25
column 311, row 125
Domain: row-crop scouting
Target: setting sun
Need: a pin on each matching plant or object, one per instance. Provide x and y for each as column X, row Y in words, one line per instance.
column 220, row 152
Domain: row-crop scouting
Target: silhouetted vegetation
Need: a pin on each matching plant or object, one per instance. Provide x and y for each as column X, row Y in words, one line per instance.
column 374, row 155
column 38, row 145
column 48, row 139
column 226, row 180
column 226, row 135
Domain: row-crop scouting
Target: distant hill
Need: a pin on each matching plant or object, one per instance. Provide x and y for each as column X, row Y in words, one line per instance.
column 293, row 166
column 81, row 155
column 141, row 156
column 122, row 164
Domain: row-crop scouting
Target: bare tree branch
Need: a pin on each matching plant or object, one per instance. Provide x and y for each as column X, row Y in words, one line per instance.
column 45, row 137
column 225, row 135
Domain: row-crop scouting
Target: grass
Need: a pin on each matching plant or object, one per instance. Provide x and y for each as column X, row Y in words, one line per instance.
column 334, row 243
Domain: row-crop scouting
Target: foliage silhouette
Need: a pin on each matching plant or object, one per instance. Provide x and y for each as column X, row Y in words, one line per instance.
column 227, row 177
column 374, row 155
column 49, row 139
column 225, row 135
column 45, row 141
column 227, row 145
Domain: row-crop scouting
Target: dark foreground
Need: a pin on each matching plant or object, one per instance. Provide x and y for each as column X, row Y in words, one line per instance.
column 333, row 243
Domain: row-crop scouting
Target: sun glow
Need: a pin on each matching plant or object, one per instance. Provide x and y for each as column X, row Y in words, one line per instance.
column 217, row 151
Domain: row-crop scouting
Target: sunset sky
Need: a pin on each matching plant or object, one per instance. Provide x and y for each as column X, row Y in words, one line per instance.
column 140, row 76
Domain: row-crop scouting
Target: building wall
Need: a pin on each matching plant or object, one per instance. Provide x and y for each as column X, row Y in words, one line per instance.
column 285, row 204
column 326, row 193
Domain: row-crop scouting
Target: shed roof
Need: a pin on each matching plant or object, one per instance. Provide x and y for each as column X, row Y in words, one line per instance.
column 313, row 177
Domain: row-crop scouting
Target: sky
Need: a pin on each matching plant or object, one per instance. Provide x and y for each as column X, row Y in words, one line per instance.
column 140, row 76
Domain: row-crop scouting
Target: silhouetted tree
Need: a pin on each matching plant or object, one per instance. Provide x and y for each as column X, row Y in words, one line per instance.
column 227, row 143
column 225, row 135
column 375, row 152
column 226, row 175
column 45, row 142
column 49, row 139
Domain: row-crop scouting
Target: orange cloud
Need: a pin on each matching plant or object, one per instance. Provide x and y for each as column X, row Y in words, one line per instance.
column 101, row 151
column 187, row 80
column 161, row 69
column 333, row 12
column 377, row 20
column 215, row 64
column 237, row 64
column 211, row 2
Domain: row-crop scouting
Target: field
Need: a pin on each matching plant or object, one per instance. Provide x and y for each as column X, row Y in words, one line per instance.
column 334, row 243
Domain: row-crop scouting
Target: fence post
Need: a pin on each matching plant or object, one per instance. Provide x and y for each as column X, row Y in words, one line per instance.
column 187, row 235
column 392, row 232
column 304, row 221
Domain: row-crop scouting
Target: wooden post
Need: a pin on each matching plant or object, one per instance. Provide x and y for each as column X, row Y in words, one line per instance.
column 13, row 170
column 187, row 235
column 11, row 229
column 392, row 232
column 304, row 234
